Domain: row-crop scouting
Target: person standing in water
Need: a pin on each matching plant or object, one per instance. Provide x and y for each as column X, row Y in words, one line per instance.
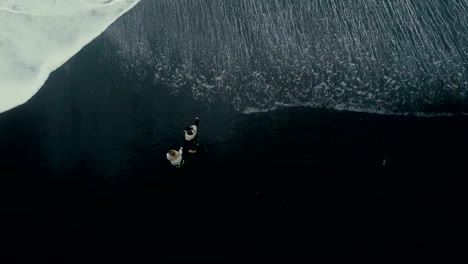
column 191, row 142
column 175, row 157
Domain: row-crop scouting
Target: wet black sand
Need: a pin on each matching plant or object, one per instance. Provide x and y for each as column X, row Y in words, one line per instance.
column 83, row 168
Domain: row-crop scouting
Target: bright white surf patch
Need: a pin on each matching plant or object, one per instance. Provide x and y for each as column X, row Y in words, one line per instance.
column 38, row 36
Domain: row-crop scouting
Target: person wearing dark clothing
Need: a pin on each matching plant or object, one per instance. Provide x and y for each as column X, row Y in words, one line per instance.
column 191, row 142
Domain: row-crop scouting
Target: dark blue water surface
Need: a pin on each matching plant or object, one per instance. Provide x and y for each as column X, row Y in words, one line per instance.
column 391, row 57
column 83, row 162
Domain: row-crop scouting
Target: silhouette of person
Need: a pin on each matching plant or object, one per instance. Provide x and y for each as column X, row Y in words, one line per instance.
column 191, row 143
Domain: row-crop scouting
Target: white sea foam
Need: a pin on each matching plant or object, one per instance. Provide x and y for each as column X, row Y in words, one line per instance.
column 391, row 57
column 38, row 36
column 277, row 105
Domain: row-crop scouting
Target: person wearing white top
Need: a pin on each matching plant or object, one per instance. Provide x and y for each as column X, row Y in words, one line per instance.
column 175, row 157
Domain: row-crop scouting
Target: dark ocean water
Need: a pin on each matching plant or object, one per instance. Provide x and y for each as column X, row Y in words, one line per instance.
column 84, row 168
column 392, row 57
